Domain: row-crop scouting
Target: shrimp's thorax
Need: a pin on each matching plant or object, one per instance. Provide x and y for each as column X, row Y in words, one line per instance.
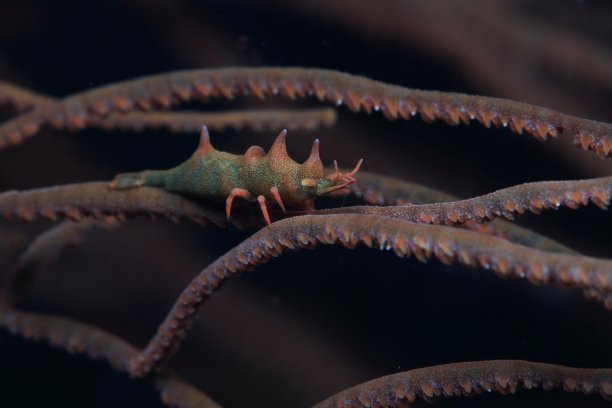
column 267, row 178
column 258, row 177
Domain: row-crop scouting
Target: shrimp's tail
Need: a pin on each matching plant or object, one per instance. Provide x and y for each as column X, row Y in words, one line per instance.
column 143, row 178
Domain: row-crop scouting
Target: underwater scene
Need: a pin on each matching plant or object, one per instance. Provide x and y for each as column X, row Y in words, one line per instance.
column 305, row 203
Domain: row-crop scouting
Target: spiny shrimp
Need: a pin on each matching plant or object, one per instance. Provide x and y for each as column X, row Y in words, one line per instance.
column 254, row 176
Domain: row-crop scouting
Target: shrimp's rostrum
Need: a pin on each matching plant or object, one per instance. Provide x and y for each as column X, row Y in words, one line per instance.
column 255, row 176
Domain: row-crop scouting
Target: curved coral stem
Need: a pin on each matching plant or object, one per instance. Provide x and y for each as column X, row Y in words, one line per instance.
column 449, row 245
column 79, row 338
column 468, row 379
column 77, row 201
column 358, row 93
column 44, row 249
column 535, row 197
column 97, row 200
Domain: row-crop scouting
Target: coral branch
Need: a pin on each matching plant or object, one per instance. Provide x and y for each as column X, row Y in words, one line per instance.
column 519, row 235
column 534, row 197
column 600, row 296
column 256, row 119
column 75, row 337
column 70, row 336
column 97, row 200
column 44, row 249
column 21, row 98
column 471, row 378
column 449, row 245
column 358, row 93
column 177, row 393
column 376, row 189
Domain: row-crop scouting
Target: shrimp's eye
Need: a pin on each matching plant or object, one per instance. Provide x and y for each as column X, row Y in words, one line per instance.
column 309, row 182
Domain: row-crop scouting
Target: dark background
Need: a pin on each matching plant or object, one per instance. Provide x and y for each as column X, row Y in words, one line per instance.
column 310, row 324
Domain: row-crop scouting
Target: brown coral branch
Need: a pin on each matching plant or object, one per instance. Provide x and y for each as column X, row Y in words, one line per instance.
column 75, row 337
column 43, row 250
column 449, row 245
column 471, row 378
column 255, row 119
column 534, row 197
column 21, row 98
column 377, row 189
column 600, row 296
column 177, row 393
column 519, row 235
column 97, row 200
column 358, row 93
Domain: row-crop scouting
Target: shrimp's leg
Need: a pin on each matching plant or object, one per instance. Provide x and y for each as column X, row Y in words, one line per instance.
column 264, row 209
column 276, row 195
column 309, row 206
column 237, row 192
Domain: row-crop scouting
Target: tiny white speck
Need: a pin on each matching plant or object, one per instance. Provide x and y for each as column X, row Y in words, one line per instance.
column 339, row 102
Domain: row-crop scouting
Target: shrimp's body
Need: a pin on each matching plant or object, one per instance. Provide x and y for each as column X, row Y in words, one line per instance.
column 271, row 177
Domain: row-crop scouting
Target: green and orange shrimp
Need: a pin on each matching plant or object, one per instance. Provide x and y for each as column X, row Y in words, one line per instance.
column 255, row 176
